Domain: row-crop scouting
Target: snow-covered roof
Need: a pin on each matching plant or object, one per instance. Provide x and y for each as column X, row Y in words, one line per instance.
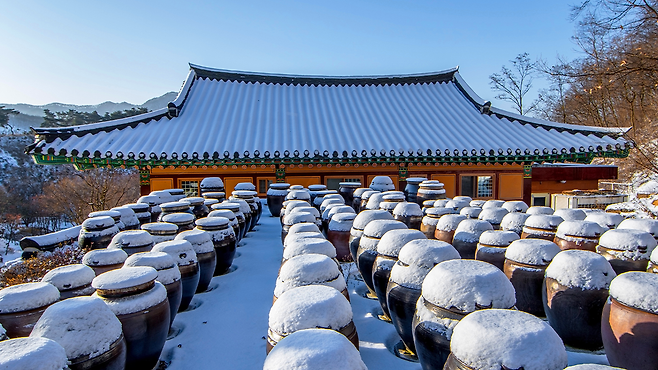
column 224, row 115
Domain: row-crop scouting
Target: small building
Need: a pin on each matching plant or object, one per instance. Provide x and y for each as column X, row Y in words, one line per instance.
column 263, row 128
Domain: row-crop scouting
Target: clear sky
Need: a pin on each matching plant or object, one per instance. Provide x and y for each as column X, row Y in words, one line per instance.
column 87, row 52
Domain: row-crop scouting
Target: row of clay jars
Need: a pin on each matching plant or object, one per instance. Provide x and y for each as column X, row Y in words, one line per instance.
column 276, row 195
column 241, row 228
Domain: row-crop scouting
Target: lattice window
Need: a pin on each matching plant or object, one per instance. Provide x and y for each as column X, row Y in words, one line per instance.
column 485, row 187
column 190, row 187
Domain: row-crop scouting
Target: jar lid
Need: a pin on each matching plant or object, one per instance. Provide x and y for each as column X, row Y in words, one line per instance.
column 492, row 203
column 201, row 240
column 214, row 195
column 628, row 240
column 180, row 250
column 543, row 221
column 244, row 194
column 570, row 214
column 579, row 228
column 297, row 247
column 176, row 191
column 539, row 210
column 212, row 182
column 581, row 269
column 636, row 289
column 296, row 187
column 157, row 260
column 515, row 206
column 349, row 184
column 511, row 339
column 364, row 217
column 98, row 223
column 470, row 212
column 178, row 218
column 104, row 257
column 468, row 285
column 131, row 239
column 392, row 241
column 82, row 325
column 209, row 202
column 643, row 224
column 514, row 221
column 226, row 213
column 139, row 207
column 160, row 228
column 233, row 207
column 298, row 194
column 124, row 278
column 476, row 203
column 33, row 353
column 298, row 217
column 193, row 201
column 377, row 228
column 175, row 206
column 164, row 196
column 431, row 185
column 303, row 227
column 438, row 211
column 427, row 253
column 309, row 306
column 317, row 187
column 27, row 296
column 116, row 215
column 449, row 222
column 393, row 197
column 244, row 206
column 382, row 183
column 415, row 180
column 290, row 238
column 536, row 252
column 498, row 238
column 151, row 200
column 279, row 185
column 245, row 186
column 304, row 208
column 308, row 269
column 69, row 276
column 493, row 215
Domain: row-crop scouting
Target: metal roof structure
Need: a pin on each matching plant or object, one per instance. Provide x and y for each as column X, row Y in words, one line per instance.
column 228, row 118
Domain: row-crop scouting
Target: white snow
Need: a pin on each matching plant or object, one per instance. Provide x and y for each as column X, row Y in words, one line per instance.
column 629, row 243
column 440, row 203
column 212, row 182
column 69, row 276
column 245, row 186
column 342, row 221
column 33, row 354
column 636, row 289
column 301, row 235
column 498, row 238
column 406, row 209
column 605, row 219
column 125, row 277
column 104, row 257
column 393, row 196
column 27, row 296
column 468, row 285
column 476, row 203
column 131, row 238
column 193, row 201
column 581, row 269
column 210, row 202
column 277, row 192
column 180, row 250
column 224, row 213
column 470, row 212
column 537, row 252
column 570, row 214
column 303, row 227
column 201, row 240
column 97, row 223
column 167, row 268
column 128, row 216
column 454, row 205
column 160, row 228
column 644, row 224
column 314, row 349
column 298, row 195
column 449, row 222
column 469, row 230
column 515, row 206
column 392, row 241
column 307, row 269
column 514, row 221
column 211, row 222
column 309, row 245
column 312, row 210
column 491, row 339
column 579, row 228
column 298, row 217
column 493, row 203
column 307, row 307
column 374, row 200
column 136, row 302
column 57, row 236
column 338, row 209
column 377, row 228
column 539, row 210
column 317, row 187
column 493, row 215
column 178, row 218
column 364, row 218
column 416, row 259
column 82, row 325
column 382, row 183
column 244, row 206
column 543, row 221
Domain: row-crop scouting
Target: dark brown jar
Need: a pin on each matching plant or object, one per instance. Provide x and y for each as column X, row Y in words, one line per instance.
column 365, row 197
column 430, row 190
column 22, row 305
column 575, row 290
column 314, row 190
column 295, row 218
column 140, row 303
column 184, row 221
column 446, row 227
column 116, row 216
column 104, row 260
column 235, row 208
column 246, row 212
column 409, row 213
column 248, row 197
column 174, row 207
column 356, row 199
column 142, row 212
column 223, row 240
column 360, row 222
column 154, row 205
column 514, row 221
column 161, row 231
column 338, row 233
column 390, row 200
column 309, row 269
column 168, row 275
column 232, row 220
column 578, row 235
column 431, row 219
column 367, row 252
column 71, row 280
column 211, row 184
column 219, row 196
column 183, row 253
column 132, row 241
column 450, row 291
column 205, row 253
column 86, row 346
column 525, row 264
column 198, row 206
column 626, row 249
column 630, row 321
column 346, row 190
column 541, row 227
column 492, row 246
column 415, row 260
column 411, row 189
column 467, row 235
column 97, row 232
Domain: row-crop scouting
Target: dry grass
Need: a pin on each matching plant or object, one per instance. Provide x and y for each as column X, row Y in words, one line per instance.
column 33, row 269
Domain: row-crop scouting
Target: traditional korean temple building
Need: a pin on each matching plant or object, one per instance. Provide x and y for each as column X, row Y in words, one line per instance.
column 262, row 128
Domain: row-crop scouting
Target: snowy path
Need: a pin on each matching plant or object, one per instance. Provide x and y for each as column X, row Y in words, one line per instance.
column 228, row 327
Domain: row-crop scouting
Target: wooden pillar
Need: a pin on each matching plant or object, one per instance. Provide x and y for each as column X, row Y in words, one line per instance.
column 281, row 174
column 527, row 184
column 144, row 181
column 402, row 176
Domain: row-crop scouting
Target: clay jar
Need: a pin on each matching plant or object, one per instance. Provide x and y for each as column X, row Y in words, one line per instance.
column 312, row 349
column 493, row 215
column 161, row 231
column 71, row 280
column 411, row 189
column 317, row 198
column 511, row 340
column 184, row 221
column 409, row 213
column 142, row 212
column 575, row 290
column 116, row 216
column 97, row 232
column 140, row 303
column 47, row 353
column 308, row 244
column 198, row 206
column 338, row 233
column 515, row 206
column 251, row 188
column 374, row 200
column 74, row 323
column 541, row 227
column 321, row 306
column 450, row 291
column 367, row 251
column 307, row 269
column 314, row 190
column 382, row 183
column 295, row 218
column 183, row 253
column 103, row 260
column 365, row 197
column 232, row 221
column 346, row 190
column 168, row 275
column 304, row 207
column 223, row 240
column 178, row 194
column 578, row 235
column 23, row 304
column 648, row 225
column 211, row 184
column 467, row 236
column 626, row 249
column 330, row 211
column 415, row 260
column 445, row 228
column 430, row 190
column 388, row 249
column 605, row 219
column 514, row 222
column 132, row 241
column 629, row 325
column 289, row 205
column 360, row 222
column 219, row 196
column 235, row 208
column 492, row 246
column 205, row 253
column 431, row 219
column 525, row 263
column 356, row 199
column 154, row 206
column 390, row 200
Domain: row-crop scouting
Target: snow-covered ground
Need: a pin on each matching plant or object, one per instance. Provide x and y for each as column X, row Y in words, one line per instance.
column 11, row 254
column 227, row 326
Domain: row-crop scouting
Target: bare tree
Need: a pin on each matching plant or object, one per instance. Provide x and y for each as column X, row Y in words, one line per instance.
column 514, row 83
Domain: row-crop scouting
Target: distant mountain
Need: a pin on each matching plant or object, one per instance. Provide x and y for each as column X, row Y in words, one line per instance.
column 32, row 115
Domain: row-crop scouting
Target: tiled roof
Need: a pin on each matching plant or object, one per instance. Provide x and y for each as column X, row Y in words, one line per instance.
column 222, row 114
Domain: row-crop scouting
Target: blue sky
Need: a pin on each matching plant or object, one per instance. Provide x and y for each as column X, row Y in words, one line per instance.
column 87, row 52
